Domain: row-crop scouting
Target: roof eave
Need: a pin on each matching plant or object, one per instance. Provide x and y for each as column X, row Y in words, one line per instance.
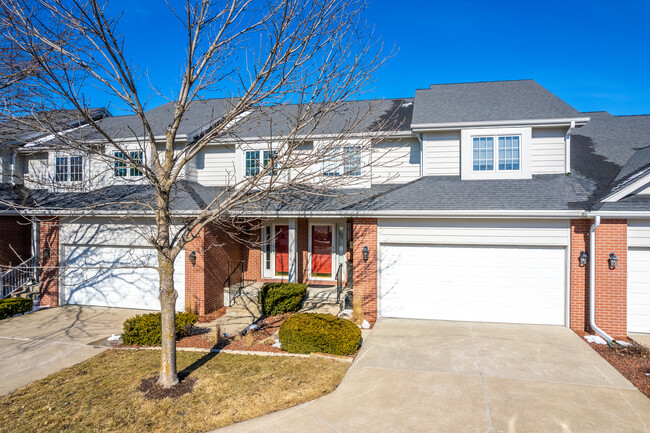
column 421, row 127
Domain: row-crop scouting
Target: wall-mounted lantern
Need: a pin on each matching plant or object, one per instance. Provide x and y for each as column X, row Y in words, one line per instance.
column 46, row 253
column 365, row 253
column 193, row 258
column 613, row 261
column 582, row 259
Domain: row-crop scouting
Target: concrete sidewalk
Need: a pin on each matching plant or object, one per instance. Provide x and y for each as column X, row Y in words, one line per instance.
column 38, row 344
column 431, row 376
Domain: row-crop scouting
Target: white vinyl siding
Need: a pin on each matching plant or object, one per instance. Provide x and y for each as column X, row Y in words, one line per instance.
column 396, row 161
column 35, row 171
column 442, row 154
column 548, row 150
column 215, row 166
column 474, row 231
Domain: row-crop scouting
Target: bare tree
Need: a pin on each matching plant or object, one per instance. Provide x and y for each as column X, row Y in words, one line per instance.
column 309, row 56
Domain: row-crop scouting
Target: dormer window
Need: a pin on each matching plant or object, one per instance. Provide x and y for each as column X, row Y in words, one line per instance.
column 505, row 159
column 496, row 153
column 123, row 169
column 68, row 169
column 346, row 160
column 253, row 166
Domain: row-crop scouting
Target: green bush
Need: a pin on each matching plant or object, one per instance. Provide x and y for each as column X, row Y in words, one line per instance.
column 313, row 332
column 146, row 329
column 12, row 306
column 280, row 298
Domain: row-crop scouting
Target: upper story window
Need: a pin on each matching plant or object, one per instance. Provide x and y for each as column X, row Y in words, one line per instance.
column 121, row 165
column 496, row 153
column 253, row 166
column 68, row 169
column 345, row 161
column 484, row 158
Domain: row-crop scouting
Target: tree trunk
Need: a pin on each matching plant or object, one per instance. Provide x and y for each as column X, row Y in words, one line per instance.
column 168, row 295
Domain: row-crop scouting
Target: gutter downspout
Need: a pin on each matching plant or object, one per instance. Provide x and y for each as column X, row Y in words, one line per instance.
column 592, row 282
column 14, row 155
column 567, row 148
column 421, row 139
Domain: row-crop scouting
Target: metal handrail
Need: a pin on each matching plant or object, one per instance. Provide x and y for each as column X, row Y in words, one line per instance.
column 228, row 282
column 339, row 282
column 18, row 277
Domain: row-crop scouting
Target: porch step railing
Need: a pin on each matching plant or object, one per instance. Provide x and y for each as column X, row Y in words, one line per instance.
column 239, row 266
column 14, row 279
column 339, row 283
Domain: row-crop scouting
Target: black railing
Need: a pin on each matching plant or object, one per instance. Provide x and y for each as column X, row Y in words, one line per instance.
column 339, row 283
column 228, row 283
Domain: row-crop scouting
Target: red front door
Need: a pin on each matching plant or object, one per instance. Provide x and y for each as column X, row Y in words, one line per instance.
column 281, row 250
column 321, row 251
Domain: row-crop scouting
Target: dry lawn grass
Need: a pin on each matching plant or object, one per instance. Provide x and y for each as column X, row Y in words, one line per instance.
column 101, row 394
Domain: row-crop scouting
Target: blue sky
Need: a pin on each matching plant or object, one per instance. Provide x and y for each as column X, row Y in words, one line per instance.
column 594, row 54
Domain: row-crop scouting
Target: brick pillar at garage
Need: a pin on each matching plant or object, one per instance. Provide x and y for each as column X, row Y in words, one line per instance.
column 195, row 275
column 49, row 252
column 611, row 284
column 364, row 234
column 579, row 275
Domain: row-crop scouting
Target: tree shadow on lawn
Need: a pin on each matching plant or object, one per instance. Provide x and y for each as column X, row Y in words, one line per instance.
column 152, row 391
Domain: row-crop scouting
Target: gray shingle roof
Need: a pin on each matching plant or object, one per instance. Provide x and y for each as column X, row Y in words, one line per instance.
column 542, row 192
column 349, row 116
column 494, row 100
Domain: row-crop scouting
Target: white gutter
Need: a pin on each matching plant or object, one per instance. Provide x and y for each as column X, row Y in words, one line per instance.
column 567, row 149
column 538, row 122
column 621, row 214
column 592, row 281
column 421, row 140
column 14, row 154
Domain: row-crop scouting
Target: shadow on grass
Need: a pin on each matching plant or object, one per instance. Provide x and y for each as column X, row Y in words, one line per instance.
column 196, row 365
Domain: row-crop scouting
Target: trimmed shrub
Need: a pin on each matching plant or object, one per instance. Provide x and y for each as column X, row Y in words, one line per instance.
column 280, row 298
column 314, row 332
column 12, row 306
column 146, row 329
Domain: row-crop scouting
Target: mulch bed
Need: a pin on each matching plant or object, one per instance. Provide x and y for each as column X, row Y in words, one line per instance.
column 258, row 340
column 632, row 362
column 152, row 391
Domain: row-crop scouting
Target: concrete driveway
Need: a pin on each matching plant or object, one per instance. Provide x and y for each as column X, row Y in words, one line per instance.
column 431, row 376
column 38, row 344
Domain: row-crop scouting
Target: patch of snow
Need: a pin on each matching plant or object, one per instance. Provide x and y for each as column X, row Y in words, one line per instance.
column 365, row 324
column 114, row 337
column 249, row 328
column 595, row 339
column 407, row 104
column 623, row 343
column 345, row 313
column 277, row 344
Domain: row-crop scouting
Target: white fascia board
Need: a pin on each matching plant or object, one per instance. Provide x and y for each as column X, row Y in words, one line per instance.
column 351, row 136
column 563, row 214
column 630, row 215
column 627, row 190
column 419, row 127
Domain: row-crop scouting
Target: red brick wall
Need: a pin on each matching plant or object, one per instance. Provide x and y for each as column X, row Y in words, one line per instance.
column 16, row 238
column 579, row 275
column 215, row 251
column 50, row 267
column 611, row 285
column 364, row 233
column 250, row 252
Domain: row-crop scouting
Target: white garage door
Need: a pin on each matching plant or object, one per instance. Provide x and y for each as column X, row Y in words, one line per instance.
column 474, row 283
column 638, row 290
column 114, row 276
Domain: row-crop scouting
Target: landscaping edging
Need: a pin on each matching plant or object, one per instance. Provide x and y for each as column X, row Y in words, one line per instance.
column 248, row 352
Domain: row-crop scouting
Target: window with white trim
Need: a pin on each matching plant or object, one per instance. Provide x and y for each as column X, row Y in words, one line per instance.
column 68, row 169
column 122, row 168
column 506, row 158
column 252, row 162
column 345, row 161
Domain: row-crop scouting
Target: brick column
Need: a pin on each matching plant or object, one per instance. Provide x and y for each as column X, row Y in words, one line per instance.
column 49, row 266
column 216, row 255
column 364, row 233
column 303, row 249
column 579, row 275
column 611, row 284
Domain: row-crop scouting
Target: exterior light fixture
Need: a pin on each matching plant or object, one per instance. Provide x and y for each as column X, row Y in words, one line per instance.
column 365, row 253
column 193, row 258
column 613, row 261
column 582, row 259
column 46, row 253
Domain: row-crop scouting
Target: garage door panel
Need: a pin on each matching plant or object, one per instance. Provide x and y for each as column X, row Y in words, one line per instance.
column 117, row 277
column 492, row 284
column 638, row 290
